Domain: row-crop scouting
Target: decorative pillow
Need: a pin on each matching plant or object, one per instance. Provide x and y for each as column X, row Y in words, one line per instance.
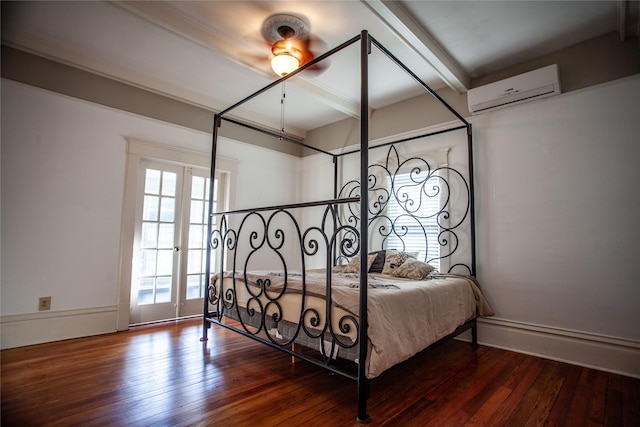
column 370, row 260
column 339, row 268
column 378, row 263
column 402, row 257
column 354, row 264
column 395, row 259
column 390, row 261
column 413, row 269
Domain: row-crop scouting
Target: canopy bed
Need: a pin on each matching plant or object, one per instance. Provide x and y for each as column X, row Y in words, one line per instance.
column 411, row 231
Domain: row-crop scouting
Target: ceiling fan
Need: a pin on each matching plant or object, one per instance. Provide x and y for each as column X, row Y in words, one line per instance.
column 291, row 43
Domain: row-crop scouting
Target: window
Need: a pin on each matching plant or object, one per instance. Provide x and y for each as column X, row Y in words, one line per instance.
column 413, row 211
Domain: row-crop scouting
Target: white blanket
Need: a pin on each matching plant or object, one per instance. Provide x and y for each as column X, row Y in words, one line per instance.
column 404, row 316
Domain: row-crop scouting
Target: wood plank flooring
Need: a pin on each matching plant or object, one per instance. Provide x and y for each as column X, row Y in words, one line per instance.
column 161, row 375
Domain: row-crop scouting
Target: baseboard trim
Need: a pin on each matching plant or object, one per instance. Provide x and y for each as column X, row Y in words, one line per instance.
column 36, row 328
column 606, row 353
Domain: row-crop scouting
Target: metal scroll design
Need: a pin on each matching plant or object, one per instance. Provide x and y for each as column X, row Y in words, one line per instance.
column 258, row 305
column 425, row 183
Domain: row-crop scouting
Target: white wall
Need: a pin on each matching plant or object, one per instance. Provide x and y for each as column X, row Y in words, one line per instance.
column 558, row 208
column 558, row 205
column 265, row 178
column 62, row 183
column 63, row 174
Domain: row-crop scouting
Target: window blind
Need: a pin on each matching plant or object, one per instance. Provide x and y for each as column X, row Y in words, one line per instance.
column 414, row 207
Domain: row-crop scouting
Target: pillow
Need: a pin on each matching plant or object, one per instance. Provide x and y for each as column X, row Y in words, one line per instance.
column 354, row 264
column 378, row 263
column 413, row 269
column 395, row 260
column 390, row 261
column 402, row 257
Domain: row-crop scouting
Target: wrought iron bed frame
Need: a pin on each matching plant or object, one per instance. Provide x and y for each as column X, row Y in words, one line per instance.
column 344, row 231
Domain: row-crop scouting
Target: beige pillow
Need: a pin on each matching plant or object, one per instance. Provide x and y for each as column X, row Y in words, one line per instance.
column 413, row 269
column 394, row 260
column 354, row 264
column 390, row 262
column 339, row 268
column 404, row 256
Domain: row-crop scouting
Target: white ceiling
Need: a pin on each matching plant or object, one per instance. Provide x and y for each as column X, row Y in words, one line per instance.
column 211, row 53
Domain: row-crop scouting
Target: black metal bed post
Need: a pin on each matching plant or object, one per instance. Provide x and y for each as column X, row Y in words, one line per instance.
column 212, row 177
column 363, row 382
column 472, row 210
column 334, row 210
column 335, row 177
column 472, row 222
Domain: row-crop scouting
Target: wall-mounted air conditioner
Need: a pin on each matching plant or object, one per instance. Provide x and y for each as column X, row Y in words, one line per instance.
column 536, row 84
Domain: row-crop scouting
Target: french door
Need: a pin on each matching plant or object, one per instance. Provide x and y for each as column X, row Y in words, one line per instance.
column 169, row 256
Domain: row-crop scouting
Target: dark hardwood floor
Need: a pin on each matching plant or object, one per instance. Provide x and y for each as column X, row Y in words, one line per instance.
column 160, row 375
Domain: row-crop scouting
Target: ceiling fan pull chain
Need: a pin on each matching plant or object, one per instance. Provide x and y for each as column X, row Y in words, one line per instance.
column 282, row 113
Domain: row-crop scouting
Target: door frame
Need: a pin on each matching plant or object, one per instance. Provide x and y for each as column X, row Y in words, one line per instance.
column 137, row 150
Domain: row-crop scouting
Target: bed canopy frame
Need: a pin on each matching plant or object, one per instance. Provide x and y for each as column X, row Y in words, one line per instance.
column 347, row 222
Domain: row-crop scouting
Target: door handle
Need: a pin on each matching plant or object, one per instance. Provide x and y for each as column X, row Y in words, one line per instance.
column 176, row 249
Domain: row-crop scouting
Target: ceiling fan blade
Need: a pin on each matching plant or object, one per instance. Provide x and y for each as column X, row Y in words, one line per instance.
column 314, row 47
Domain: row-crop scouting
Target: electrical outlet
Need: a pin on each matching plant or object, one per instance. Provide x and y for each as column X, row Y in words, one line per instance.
column 44, row 303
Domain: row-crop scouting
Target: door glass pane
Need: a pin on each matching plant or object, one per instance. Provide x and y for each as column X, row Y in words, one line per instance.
column 150, row 208
column 163, row 289
column 194, row 264
column 197, row 211
column 198, row 187
column 165, row 236
column 145, row 290
column 167, row 209
column 168, row 184
column 147, row 262
column 149, row 237
column 196, row 236
column 193, row 286
column 165, row 262
column 152, row 182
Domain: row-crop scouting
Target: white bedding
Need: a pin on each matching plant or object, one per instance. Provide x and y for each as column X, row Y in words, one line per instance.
column 404, row 316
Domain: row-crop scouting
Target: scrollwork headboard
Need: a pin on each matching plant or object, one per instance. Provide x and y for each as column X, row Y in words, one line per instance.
column 415, row 206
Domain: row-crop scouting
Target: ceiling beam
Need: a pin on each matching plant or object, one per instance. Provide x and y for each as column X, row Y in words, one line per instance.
column 401, row 23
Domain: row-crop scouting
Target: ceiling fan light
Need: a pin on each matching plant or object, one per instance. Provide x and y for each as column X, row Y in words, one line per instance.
column 284, row 64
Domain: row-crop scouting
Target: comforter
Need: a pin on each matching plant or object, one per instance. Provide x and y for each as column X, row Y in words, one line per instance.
column 404, row 316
